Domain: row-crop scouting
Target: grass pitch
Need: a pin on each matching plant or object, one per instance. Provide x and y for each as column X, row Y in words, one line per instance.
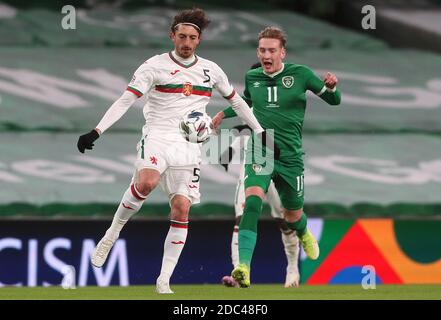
column 218, row 292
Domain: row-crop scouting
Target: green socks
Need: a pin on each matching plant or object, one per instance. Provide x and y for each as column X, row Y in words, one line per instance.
column 247, row 242
column 248, row 229
column 299, row 226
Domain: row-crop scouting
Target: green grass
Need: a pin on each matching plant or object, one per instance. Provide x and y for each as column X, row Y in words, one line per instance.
column 217, row 292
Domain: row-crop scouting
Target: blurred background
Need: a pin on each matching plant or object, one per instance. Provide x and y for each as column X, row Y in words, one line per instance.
column 373, row 164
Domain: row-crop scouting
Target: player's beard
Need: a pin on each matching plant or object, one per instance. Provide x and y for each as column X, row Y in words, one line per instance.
column 185, row 53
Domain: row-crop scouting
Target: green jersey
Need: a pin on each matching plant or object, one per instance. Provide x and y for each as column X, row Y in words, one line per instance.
column 279, row 103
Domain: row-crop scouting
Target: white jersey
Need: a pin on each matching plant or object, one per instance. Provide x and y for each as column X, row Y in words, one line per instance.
column 174, row 90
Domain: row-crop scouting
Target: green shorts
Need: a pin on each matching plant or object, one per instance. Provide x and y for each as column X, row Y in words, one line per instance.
column 289, row 182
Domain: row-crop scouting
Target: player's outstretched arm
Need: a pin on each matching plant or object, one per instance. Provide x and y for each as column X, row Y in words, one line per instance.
column 332, row 94
column 241, row 108
column 86, row 140
column 326, row 89
column 217, row 119
column 113, row 114
column 228, row 112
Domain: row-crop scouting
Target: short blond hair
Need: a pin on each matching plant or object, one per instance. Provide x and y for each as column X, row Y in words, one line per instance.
column 273, row 33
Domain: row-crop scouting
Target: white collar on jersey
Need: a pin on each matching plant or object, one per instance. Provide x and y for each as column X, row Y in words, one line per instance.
column 182, row 60
column 272, row 75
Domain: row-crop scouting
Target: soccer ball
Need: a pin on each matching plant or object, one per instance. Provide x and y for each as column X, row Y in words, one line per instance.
column 196, row 127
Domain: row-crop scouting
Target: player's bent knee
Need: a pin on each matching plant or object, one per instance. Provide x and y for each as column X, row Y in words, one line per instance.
column 146, row 186
column 255, row 191
column 293, row 215
column 148, row 179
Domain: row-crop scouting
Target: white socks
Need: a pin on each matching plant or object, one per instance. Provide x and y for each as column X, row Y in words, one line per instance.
column 235, row 247
column 291, row 245
column 130, row 204
column 174, row 242
column 173, row 245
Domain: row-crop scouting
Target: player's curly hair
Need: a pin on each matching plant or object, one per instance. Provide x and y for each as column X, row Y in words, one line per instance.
column 273, row 33
column 195, row 16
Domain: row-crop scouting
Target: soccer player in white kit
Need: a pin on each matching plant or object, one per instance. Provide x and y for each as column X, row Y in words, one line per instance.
column 289, row 238
column 175, row 84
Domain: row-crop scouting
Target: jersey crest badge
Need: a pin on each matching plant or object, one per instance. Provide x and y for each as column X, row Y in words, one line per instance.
column 187, row 89
column 257, row 168
column 288, row 81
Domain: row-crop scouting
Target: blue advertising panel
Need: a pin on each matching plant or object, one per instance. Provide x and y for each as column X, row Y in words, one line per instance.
column 43, row 253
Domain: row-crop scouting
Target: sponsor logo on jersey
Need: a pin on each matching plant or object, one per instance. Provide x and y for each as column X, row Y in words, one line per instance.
column 256, row 84
column 257, row 168
column 187, row 89
column 192, row 186
column 288, row 81
column 174, row 72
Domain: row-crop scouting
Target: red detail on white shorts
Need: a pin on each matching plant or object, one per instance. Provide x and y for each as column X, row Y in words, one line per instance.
column 154, row 160
column 178, row 242
column 192, row 186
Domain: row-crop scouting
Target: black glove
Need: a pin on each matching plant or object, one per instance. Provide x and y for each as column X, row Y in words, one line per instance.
column 86, row 140
column 267, row 140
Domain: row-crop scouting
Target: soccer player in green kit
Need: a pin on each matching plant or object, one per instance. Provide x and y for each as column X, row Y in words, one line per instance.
column 277, row 93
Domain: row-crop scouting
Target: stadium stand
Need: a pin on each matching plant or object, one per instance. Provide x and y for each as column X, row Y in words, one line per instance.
column 64, row 90
column 395, row 20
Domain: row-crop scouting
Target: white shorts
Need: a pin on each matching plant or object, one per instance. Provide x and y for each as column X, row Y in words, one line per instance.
column 272, row 196
column 177, row 162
